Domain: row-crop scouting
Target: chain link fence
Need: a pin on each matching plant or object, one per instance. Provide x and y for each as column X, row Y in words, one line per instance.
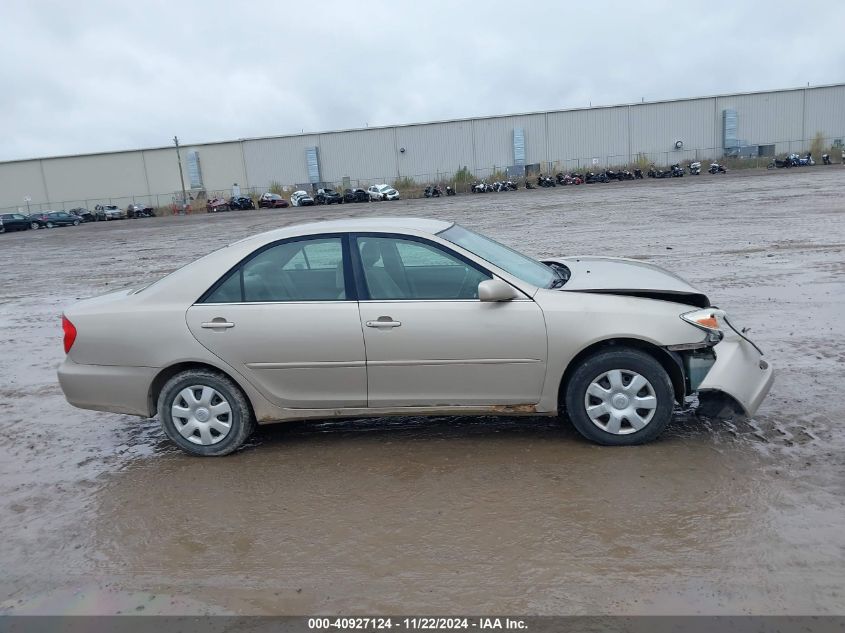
column 461, row 180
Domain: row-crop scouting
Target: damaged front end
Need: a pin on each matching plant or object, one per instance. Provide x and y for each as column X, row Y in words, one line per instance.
column 726, row 369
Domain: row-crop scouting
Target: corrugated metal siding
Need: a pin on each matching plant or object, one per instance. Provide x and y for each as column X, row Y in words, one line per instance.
column 277, row 159
column 825, row 113
column 767, row 118
column 587, row 134
column 360, row 154
column 431, row 149
column 656, row 127
column 18, row 180
column 82, row 177
column 494, row 140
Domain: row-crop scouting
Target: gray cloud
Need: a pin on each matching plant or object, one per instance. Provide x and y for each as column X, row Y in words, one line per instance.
column 102, row 75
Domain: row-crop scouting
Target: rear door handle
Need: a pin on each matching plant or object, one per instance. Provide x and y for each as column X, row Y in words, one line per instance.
column 383, row 322
column 217, row 324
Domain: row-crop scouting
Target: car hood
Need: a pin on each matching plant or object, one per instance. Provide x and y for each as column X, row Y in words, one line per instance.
column 630, row 277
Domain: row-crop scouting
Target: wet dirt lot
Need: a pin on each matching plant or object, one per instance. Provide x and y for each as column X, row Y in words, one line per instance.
column 99, row 514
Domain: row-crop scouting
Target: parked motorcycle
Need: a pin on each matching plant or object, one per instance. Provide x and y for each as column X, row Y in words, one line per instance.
column 479, row 187
column 591, row 178
column 826, row 159
column 432, row 191
column 677, row 171
column 449, row 191
column 777, row 163
column 545, row 181
column 529, row 185
column 695, row 169
column 806, row 161
column 716, row 168
column 638, row 174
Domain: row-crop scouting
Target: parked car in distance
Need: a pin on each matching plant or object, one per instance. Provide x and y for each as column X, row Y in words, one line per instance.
column 136, row 210
column 60, row 218
column 301, row 199
column 38, row 219
column 382, row 192
column 404, row 316
column 242, row 203
column 83, row 214
column 356, row 195
column 272, row 201
column 109, row 212
column 327, row 196
column 15, row 222
column 216, row 204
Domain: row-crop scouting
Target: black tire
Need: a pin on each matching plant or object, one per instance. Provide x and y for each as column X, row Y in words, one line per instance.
column 76, row 222
column 625, row 359
column 34, row 225
column 50, row 225
column 2, row 229
column 241, row 418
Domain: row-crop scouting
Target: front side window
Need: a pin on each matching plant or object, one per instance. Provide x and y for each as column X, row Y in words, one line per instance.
column 303, row 270
column 396, row 268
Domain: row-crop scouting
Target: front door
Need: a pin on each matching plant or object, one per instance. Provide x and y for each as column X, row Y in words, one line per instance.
column 284, row 319
column 430, row 341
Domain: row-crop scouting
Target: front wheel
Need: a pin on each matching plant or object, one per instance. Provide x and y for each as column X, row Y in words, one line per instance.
column 620, row 397
column 76, row 222
column 205, row 413
column 50, row 225
column 34, row 225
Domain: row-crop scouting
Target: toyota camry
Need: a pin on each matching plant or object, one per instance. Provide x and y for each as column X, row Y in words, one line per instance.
column 404, row 316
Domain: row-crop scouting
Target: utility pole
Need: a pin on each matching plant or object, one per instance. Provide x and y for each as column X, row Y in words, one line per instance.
column 181, row 177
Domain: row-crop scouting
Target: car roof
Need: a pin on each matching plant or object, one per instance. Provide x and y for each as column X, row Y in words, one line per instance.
column 380, row 225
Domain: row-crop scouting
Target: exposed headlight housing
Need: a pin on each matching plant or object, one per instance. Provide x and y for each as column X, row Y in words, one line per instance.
column 710, row 320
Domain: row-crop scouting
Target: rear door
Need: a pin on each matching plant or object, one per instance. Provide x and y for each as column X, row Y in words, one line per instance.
column 430, row 341
column 287, row 319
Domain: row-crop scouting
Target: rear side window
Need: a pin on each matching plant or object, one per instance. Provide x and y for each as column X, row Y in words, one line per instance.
column 304, row 270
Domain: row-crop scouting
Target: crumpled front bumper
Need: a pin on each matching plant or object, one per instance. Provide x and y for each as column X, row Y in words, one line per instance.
column 740, row 372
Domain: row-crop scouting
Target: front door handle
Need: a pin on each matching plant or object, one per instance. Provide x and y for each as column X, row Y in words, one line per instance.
column 217, row 323
column 383, row 322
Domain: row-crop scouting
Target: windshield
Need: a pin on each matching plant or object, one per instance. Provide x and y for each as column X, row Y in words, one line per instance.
column 507, row 259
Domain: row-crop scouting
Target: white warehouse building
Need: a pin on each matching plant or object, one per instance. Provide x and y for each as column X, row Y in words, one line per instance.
column 757, row 123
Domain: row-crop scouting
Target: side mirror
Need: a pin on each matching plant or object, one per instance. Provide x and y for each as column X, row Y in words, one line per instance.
column 496, row 290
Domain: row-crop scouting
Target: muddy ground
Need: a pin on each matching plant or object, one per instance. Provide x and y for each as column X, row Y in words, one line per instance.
column 100, row 514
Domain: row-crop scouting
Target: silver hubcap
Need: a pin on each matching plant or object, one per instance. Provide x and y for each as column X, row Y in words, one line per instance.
column 620, row 401
column 201, row 415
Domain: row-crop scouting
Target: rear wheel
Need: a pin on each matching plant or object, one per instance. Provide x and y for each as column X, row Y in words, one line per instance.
column 33, row 225
column 205, row 413
column 50, row 225
column 76, row 222
column 620, row 397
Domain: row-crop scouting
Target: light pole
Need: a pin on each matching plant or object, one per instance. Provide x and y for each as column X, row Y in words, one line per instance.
column 181, row 176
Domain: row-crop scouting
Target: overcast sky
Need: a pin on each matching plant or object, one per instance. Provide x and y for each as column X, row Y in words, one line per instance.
column 106, row 74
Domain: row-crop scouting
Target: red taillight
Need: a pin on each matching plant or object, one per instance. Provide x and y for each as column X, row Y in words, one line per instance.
column 70, row 333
